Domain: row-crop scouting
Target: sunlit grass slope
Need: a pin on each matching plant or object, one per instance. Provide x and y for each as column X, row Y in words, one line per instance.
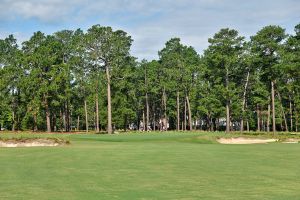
column 150, row 166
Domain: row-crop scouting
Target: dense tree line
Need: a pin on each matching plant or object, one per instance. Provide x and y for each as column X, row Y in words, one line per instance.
column 75, row 80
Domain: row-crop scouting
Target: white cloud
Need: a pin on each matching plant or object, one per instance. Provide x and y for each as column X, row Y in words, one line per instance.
column 200, row 20
column 152, row 22
column 43, row 10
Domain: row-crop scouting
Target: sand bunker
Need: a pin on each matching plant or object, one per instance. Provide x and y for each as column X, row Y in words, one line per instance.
column 291, row 141
column 241, row 140
column 41, row 142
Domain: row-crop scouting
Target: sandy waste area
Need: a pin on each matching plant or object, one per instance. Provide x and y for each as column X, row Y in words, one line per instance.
column 30, row 143
column 241, row 140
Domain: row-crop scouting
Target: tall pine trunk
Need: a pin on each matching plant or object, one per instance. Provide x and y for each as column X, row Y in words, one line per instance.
column 244, row 102
column 146, row 100
column 13, row 121
column 109, row 120
column 35, row 128
column 268, row 117
column 184, row 115
column 227, row 117
column 296, row 121
column 189, row 112
column 273, row 107
column 258, row 118
column 178, row 114
column 247, row 120
column 227, row 103
column 147, row 112
column 78, row 121
column 64, row 118
column 86, row 117
column 97, row 106
column 54, row 127
column 70, row 121
column 164, row 118
column 97, row 114
column 208, row 126
column 144, row 121
column 154, row 121
column 211, row 124
column 95, row 126
column 247, row 124
column 47, row 114
column 291, row 113
column 217, row 124
column 67, row 115
column 283, row 113
column 262, row 126
column 60, row 120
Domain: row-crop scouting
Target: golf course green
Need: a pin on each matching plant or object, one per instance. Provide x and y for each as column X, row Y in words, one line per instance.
column 149, row 166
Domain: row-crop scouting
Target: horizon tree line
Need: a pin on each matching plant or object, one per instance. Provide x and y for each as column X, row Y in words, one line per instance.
column 75, row 80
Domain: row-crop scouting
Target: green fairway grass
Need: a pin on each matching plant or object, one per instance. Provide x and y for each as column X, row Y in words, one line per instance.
column 149, row 166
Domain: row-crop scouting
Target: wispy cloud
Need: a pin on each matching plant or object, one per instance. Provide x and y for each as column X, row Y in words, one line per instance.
column 150, row 22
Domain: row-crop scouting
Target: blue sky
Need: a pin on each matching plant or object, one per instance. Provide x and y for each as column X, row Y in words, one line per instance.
column 150, row 22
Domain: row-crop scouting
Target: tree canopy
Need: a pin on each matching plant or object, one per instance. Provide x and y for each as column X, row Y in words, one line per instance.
column 74, row 80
